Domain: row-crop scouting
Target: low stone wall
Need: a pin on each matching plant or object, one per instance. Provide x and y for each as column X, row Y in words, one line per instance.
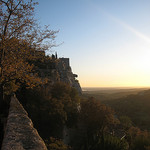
column 20, row 133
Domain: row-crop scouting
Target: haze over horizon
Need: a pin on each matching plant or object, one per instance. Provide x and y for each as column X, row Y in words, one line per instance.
column 108, row 42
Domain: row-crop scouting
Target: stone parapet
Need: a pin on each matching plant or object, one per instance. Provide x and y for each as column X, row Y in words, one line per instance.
column 20, row 133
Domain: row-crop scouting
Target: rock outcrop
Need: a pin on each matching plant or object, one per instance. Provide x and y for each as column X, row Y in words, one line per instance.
column 66, row 75
column 20, row 133
column 58, row 69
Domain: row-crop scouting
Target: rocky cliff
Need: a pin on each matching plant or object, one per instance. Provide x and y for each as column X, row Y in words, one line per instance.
column 66, row 75
column 58, row 69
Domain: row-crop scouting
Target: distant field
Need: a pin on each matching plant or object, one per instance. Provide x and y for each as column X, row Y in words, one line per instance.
column 110, row 93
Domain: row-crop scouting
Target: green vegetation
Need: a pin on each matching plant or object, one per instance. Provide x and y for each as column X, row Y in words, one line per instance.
column 56, row 144
column 111, row 142
column 110, row 93
column 52, row 111
column 134, row 103
column 136, row 107
column 133, row 112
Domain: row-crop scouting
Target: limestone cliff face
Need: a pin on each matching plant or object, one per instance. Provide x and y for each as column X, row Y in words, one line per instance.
column 58, row 69
column 20, row 133
column 65, row 73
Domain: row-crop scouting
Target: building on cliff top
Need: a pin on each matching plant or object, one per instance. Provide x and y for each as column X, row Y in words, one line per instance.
column 64, row 71
column 66, row 75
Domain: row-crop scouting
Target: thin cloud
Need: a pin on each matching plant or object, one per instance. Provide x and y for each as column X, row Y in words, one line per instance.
column 123, row 24
column 133, row 30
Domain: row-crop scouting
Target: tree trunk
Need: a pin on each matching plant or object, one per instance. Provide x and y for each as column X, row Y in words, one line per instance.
column 1, row 93
column 1, row 84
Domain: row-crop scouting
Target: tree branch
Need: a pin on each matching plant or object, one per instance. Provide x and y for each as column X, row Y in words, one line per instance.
column 17, row 29
column 5, row 28
column 6, row 3
column 18, row 4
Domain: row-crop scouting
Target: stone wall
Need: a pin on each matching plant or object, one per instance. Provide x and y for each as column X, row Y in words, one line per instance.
column 20, row 133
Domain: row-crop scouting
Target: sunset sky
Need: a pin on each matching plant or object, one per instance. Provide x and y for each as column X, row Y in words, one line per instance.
column 107, row 41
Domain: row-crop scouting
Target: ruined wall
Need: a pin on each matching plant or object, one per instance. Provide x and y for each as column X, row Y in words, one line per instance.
column 20, row 133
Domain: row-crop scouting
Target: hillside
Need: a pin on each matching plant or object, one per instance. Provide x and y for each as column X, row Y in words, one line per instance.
column 135, row 106
column 110, row 93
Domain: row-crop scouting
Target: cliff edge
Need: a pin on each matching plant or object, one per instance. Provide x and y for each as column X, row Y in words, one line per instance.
column 66, row 75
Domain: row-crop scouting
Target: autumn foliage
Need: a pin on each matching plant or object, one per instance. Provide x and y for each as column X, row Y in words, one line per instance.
column 21, row 39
